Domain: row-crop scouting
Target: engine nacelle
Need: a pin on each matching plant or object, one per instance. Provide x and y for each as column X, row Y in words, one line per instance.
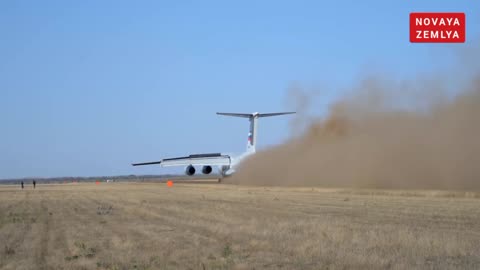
column 190, row 170
column 207, row 169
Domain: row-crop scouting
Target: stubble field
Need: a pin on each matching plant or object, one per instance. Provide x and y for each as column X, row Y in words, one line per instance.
column 216, row 226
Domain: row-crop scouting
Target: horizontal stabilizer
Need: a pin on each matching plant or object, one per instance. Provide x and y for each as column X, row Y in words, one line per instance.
column 252, row 115
column 274, row 114
column 244, row 115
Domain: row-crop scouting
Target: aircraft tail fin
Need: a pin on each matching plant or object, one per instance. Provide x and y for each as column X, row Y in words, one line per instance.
column 253, row 118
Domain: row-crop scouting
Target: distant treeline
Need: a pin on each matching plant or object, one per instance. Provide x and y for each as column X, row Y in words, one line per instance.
column 118, row 178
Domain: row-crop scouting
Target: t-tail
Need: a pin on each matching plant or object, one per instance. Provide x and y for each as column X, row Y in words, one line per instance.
column 253, row 118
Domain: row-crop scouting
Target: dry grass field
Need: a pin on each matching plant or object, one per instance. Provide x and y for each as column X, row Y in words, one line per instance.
column 216, row 226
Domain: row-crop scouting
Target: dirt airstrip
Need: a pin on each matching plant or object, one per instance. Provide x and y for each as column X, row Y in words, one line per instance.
column 216, row 226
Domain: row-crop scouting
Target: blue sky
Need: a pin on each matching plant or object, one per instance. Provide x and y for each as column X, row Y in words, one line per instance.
column 87, row 87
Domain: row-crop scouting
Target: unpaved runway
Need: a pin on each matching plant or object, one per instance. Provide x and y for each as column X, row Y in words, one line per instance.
column 215, row 226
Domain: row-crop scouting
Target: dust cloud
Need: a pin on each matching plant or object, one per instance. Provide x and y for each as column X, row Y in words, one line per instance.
column 382, row 134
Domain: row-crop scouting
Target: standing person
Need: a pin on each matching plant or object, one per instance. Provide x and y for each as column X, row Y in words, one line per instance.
column 22, row 184
column 34, row 183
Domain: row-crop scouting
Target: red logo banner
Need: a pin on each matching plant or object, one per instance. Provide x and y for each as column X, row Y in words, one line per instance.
column 434, row 27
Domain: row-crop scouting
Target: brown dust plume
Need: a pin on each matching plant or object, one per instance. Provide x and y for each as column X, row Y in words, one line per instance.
column 384, row 134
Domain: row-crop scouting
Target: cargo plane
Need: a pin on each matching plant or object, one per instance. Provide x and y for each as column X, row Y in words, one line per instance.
column 226, row 163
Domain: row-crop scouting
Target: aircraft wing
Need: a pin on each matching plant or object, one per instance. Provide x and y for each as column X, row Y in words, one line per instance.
column 212, row 159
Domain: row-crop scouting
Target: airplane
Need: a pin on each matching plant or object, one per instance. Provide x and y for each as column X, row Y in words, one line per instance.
column 226, row 163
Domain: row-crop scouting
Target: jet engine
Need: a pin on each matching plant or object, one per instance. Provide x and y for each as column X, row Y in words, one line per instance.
column 207, row 169
column 190, row 170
